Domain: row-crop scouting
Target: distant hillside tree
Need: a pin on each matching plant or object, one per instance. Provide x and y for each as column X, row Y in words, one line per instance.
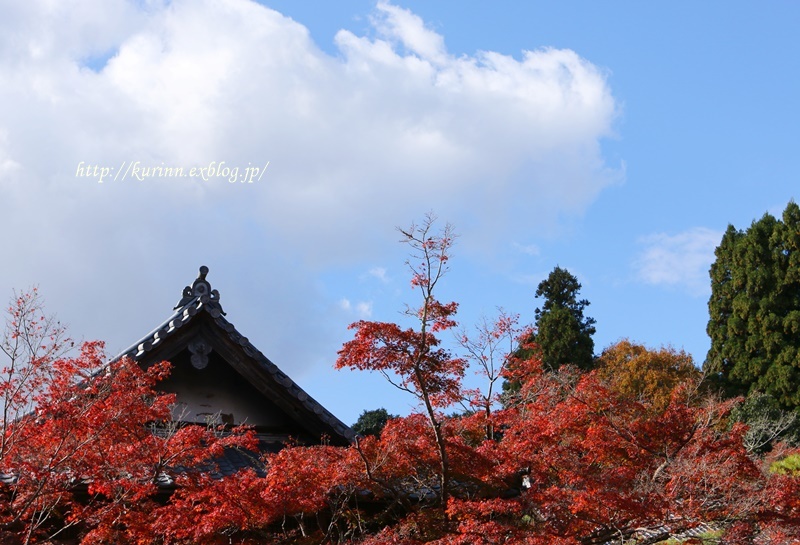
column 754, row 309
column 372, row 422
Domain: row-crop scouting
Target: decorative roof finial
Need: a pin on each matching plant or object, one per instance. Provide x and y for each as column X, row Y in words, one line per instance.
column 200, row 289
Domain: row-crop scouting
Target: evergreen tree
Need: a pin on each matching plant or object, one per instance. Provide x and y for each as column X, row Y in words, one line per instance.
column 754, row 309
column 372, row 422
column 563, row 333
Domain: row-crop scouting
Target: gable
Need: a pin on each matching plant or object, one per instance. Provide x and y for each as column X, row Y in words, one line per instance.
column 218, row 393
column 217, row 371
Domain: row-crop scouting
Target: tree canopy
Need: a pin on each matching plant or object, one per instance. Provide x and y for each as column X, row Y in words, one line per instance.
column 637, row 372
column 754, row 309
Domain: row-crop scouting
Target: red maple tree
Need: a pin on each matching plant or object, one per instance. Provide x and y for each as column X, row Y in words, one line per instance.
column 412, row 358
column 89, row 447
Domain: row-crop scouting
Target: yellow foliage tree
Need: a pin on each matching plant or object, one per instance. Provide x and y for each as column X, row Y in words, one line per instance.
column 649, row 375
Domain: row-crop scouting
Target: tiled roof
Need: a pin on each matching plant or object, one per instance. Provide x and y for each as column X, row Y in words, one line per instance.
column 199, row 299
column 662, row 533
column 230, row 462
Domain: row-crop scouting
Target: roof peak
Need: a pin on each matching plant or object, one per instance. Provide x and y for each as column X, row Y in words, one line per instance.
column 215, row 332
column 200, row 289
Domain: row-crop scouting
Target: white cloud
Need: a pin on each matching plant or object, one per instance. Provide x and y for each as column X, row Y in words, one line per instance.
column 379, row 273
column 357, row 143
column 362, row 309
column 527, row 249
column 680, row 261
column 409, row 30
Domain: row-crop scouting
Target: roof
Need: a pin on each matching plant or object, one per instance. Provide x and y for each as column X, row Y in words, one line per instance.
column 199, row 310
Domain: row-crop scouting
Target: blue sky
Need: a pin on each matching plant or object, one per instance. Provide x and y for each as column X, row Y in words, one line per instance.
column 619, row 146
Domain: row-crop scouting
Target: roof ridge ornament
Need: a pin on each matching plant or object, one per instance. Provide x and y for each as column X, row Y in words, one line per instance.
column 200, row 289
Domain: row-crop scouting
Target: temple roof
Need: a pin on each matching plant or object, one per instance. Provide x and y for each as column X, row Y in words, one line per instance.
column 198, row 324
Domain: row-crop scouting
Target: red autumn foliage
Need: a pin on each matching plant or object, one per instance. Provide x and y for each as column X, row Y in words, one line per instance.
column 573, row 459
column 80, row 456
column 569, row 458
column 412, row 359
